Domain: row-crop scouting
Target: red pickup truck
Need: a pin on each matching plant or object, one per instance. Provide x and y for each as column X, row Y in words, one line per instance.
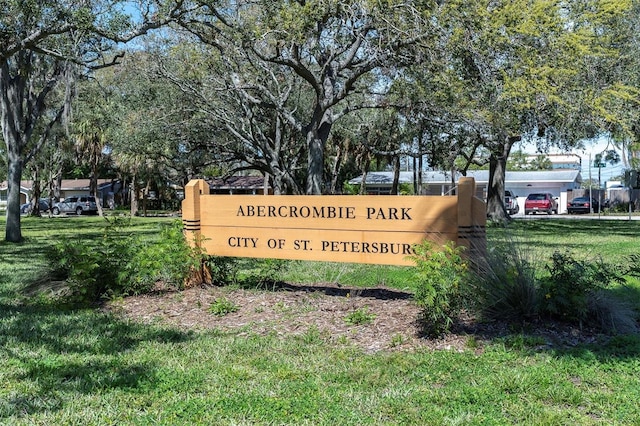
column 541, row 202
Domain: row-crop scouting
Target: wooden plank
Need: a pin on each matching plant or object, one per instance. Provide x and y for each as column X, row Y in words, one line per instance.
column 371, row 213
column 377, row 247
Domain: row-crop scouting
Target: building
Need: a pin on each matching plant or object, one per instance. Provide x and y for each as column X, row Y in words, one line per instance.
column 240, row 185
column 559, row 182
column 68, row 188
column 559, row 161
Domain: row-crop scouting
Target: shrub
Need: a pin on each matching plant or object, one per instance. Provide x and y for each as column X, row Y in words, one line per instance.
column 441, row 273
column 265, row 272
column 119, row 264
column 224, row 270
column 168, row 260
column 516, row 286
column 90, row 268
column 572, row 283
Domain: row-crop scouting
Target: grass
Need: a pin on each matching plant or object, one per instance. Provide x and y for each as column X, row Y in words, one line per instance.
column 83, row 366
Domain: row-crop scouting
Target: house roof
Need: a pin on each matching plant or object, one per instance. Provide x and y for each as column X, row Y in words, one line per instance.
column 82, row 184
column 480, row 176
column 67, row 184
column 25, row 185
column 237, row 182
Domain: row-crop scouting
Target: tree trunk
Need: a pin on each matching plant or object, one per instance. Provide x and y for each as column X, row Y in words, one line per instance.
column 396, row 175
column 134, row 197
column 495, row 201
column 14, row 136
column 315, row 168
column 94, row 191
column 497, row 172
column 317, row 135
column 36, row 192
column 13, row 232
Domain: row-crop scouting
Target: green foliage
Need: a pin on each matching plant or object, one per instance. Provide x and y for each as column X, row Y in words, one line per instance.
column 121, row 263
column 265, row 272
column 222, row 306
column 350, row 189
column 90, row 269
column 359, row 317
column 405, row 189
column 571, row 284
column 441, row 273
column 224, row 270
column 169, row 260
column 516, row 284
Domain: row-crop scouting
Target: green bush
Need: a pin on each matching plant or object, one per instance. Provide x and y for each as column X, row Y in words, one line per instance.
column 265, row 272
column 572, row 283
column 224, row 270
column 119, row 264
column 168, row 260
column 90, row 267
column 441, row 273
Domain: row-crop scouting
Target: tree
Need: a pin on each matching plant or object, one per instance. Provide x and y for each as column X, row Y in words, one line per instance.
column 336, row 48
column 523, row 71
column 251, row 132
column 44, row 48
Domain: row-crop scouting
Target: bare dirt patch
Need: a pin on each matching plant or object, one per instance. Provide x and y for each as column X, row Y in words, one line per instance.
column 294, row 309
column 291, row 309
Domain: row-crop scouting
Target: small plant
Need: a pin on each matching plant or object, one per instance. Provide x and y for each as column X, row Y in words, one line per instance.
column 360, row 316
column 440, row 276
column 222, row 306
column 397, row 340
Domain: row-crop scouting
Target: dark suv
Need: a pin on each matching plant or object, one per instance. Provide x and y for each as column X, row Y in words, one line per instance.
column 78, row 205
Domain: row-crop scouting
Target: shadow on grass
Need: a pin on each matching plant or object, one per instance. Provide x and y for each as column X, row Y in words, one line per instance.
column 51, row 353
column 594, row 227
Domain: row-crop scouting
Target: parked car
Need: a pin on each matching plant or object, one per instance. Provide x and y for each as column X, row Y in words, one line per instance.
column 511, row 202
column 78, row 205
column 43, row 206
column 583, row 205
column 540, row 202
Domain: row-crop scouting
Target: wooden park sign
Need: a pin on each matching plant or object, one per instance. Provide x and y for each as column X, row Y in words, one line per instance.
column 376, row 229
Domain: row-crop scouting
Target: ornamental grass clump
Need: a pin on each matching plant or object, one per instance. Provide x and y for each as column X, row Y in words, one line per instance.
column 505, row 286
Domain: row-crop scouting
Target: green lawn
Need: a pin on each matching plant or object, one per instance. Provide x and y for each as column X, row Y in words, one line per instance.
column 82, row 366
